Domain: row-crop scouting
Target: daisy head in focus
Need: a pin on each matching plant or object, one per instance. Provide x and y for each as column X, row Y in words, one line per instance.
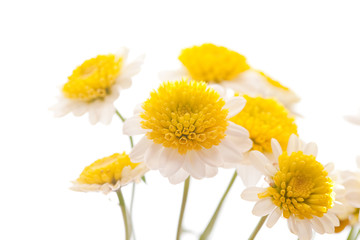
column 109, row 174
column 217, row 64
column 264, row 118
column 298, row 188
column 348, row 193
column 187, row 131
column 94, row 86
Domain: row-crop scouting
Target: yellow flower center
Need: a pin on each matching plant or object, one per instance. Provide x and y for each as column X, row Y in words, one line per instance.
column 93, row 79
column 211, row 63
column 265, row 119
column 273, row 82
column 106, row 170
column 185, row 116
column 301, row 187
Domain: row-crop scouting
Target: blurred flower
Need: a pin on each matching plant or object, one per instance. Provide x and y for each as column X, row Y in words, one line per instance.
column 109, row 174
column 208, row 63
column 188, row 131
column 354, row 119
column 299, row 189
column 265, row 119
column 94, row 86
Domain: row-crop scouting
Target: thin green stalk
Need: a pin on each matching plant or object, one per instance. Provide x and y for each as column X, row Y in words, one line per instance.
column 350, row 236
column 123, row 120
column 257, row 228
column 357, row 235
column 211, row 224
column 125, row 217
column 182, row 210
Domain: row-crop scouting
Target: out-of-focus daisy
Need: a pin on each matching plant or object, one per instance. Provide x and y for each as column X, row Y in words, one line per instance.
column 265, row 119
column 208, row 63
column 300, row 189
column 109, row 174
column 188, row 131
column 217, row 64
column 94, row 86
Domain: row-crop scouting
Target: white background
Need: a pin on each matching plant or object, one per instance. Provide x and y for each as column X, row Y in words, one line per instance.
column 311, row 46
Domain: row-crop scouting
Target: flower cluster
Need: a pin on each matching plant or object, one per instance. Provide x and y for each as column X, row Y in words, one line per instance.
column 215, row 111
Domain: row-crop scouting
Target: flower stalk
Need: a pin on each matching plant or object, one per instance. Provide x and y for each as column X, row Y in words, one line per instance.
column 125, row 217
column 211, row 223
column 258, row 227
column 183, row 205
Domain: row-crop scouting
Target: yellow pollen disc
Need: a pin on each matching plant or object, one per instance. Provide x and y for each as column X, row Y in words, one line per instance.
column 273, row 82
column 93, row 79
column 211, row 63
column 301, row 187
column 106, row 170
column 265, row 118
column 185, row 116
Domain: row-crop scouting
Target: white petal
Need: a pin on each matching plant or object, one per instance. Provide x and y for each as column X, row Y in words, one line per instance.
column 79, row 110
column 248, row 174
column 333, row 218
column 210, row 171
column 237, row 131
column 273, row 217
column 317, row 225
column 353, row 197
column 327, row 224
column 311, row 149
column 171, row 161
column 304, row 229
column 193, row 165
column 132, row 126
column 293, row 144
column 107, row 113
column 137, row 153
column 259, row 161
column 124, row 82
column 263, row 207
column 353, row 119
column 235, row 105
column 352, row 183
column 178, row 177
column 358, row 161
column 229, row 152
column 219, row 89
column 152, row 156
column 329, row 167
column 292, row 225
column 211, row 156
column 94, row 114
column 276, row 148
column 132, row 68
column 251, row 193
column 270, row 169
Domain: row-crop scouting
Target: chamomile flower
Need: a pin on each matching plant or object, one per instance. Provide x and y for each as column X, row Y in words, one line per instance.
column 220, row 65
column 94, row 86
column 208, row 63
column 188, row 132
column 347, row 183
column 299, row 189
column 109, row 174
column 264, row 118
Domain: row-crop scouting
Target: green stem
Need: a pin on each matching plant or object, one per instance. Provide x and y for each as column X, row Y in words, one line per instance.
column 257, row 228
column 357, row 235
column 183, row 204
column 350, row 236
column 123, row 120
column 211, row 224
column 123, row 210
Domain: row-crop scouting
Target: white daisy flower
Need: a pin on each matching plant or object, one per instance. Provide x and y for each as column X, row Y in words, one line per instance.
column 94, row 86
column 348, row 183
column 299, row 188
column 264, row 118
column 109, row 174
column 188, row 132
column 216, row 64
